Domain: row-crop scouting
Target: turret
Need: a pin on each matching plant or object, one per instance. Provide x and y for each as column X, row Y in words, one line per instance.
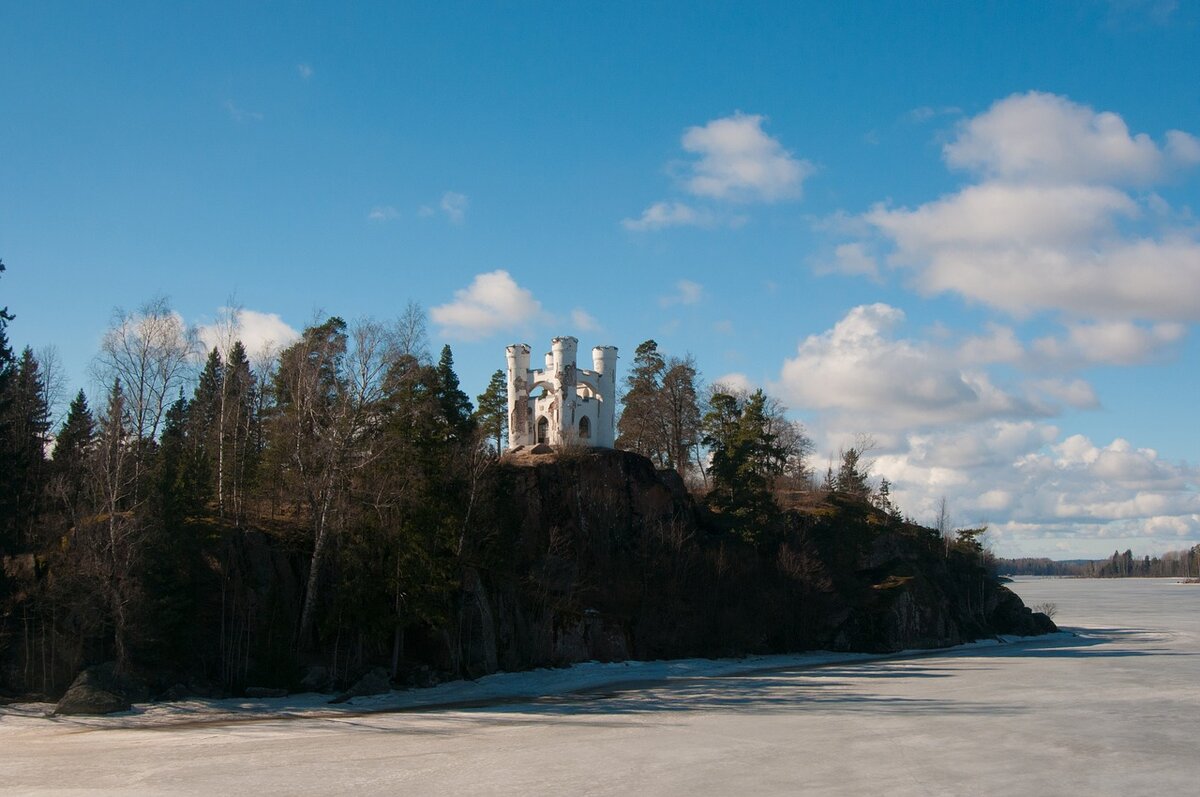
column 560, row 414
column 604, row 362
column 518, row 394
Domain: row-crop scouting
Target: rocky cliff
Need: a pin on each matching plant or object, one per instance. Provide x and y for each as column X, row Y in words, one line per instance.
column 568, row 556
column 595, row 555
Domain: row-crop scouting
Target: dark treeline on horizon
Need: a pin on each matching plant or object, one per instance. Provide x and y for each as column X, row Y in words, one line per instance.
column 1173, row 564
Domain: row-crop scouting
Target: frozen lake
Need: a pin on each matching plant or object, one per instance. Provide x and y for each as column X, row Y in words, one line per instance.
column 1113, row 710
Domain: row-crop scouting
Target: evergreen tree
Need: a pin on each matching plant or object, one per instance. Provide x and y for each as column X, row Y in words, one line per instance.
column 639, row 428
column 241, row 422
column 170, row 556
column 745, row 458
column 851, row 477
column 27, row 428
column 9, row 445
column 72, row 453
column 492, row 412
column 456, row 406
column 680, row 412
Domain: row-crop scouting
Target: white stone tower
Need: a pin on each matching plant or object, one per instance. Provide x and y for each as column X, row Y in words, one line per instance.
column 574, row 405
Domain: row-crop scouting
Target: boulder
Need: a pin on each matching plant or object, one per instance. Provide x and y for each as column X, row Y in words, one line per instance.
column 316, row 679
column 102, row 689
column 375, row 682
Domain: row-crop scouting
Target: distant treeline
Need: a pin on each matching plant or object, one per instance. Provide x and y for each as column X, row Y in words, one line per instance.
column 1173, row 564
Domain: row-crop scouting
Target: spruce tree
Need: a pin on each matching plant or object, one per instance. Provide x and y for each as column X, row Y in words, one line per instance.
column 9, row 445
column 28, row 427
column 456, row 407
column 72, row 450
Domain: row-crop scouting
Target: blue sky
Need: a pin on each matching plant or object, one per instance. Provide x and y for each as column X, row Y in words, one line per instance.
column 966, row 229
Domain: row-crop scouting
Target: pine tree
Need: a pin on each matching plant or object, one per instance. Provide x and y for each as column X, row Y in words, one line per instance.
column 640, row 429
column 492, row 412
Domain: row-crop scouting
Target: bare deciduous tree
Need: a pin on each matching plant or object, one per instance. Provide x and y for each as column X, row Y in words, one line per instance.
column 151, row 352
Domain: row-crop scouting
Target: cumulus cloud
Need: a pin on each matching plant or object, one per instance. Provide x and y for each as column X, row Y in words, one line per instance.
column 1048, row 138
column 736, row 382
column 1075, row 393
column 493, row 302
column 859, row 370
column 854, row 259
column 668, row 214
column 1033, row 488
column 584, row 321
column 740, row 162
column 686, row 292
column 260, row 333
column 1050, row 225
column 1109, row 342
column 735, row 161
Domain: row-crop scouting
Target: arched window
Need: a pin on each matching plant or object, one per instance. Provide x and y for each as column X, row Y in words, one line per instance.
column 585, row 428
column 543, row 430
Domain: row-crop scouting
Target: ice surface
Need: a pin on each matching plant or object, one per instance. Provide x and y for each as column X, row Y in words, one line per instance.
column 1113, row 709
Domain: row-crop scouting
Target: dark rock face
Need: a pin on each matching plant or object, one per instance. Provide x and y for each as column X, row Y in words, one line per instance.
column 595, row 555
column 101, row 690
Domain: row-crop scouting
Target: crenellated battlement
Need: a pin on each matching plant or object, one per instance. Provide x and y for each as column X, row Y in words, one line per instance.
column 562, row 403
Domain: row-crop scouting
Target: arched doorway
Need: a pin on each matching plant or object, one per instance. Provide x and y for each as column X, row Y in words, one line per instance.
column 585, row 428
column 543, row 430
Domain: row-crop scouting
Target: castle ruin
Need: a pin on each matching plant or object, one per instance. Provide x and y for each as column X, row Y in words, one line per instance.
column 574, row 405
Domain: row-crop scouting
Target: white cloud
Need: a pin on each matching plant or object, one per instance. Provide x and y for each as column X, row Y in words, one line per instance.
column 854, row 259
column 1031, row 487
column 736, row 382
column 454, row 205
column 686, row 292
column 1049, row 226
column 1048, row 138
column 383, row 213
column 999, row 345
column 493, row 302
column 260, row 333
column 668, row 214
column 1074, row 393
column 925, row 112
column 241, row 114
column 740, row 162
column 736, row 162
column 584, row 321
column 304, row 70
column 1182, row 147
column 1006, row 215
column 858, row 371
column 1108, row 342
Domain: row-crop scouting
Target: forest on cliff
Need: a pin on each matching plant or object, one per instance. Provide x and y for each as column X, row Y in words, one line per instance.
column 221, row 520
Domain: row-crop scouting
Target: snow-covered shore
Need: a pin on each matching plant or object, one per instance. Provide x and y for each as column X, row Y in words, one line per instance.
column 1106, row 711
column 491, row 690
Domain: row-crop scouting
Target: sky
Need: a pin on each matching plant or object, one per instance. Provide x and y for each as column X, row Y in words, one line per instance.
column 965, row 229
